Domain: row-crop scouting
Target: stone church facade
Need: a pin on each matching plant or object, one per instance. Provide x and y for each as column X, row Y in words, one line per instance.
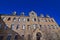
column 32, row 27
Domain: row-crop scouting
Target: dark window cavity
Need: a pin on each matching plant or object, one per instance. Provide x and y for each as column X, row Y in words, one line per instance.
column 17, row 27
column 28, row 19
column 34, row 19
column 9, row 19
column 16, row 37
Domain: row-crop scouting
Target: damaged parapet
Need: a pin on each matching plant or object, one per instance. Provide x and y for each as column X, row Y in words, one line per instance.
column 22, row 13
column 14, row 13
column 41, row 15
column 47, row 16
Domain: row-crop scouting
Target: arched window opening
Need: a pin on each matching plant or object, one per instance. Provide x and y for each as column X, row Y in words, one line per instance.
column 19, row 19
column 38, row 36
column 52, row 20
column 28, row 19
column 17, row 26
column 49, row 20
column 34, row 19
column 24, row 19
column 12, row 27
column 22, row 37
column 14, row 19
column 34, row 26
column 9, row 19
column 40, row 27
column 9, row 37
column 28, row 27
column 16, row 37
column 23, row 27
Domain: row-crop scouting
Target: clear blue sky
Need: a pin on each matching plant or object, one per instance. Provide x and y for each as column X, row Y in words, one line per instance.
column 51, row 7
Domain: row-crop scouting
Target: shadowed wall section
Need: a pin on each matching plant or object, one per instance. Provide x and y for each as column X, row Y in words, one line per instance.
column 8, row 34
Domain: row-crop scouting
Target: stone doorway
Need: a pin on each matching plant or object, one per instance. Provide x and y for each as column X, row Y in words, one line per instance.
column 38, row 36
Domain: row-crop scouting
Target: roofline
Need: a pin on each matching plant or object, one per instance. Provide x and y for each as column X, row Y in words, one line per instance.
column 26, row 16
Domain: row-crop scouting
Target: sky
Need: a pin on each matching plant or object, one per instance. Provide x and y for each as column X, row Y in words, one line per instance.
column 50, row 7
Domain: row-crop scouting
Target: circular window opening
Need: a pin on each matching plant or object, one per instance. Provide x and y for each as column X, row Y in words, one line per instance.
column 32, row 13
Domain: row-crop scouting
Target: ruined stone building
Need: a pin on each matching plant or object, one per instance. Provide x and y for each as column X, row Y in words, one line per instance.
column 32, row 27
